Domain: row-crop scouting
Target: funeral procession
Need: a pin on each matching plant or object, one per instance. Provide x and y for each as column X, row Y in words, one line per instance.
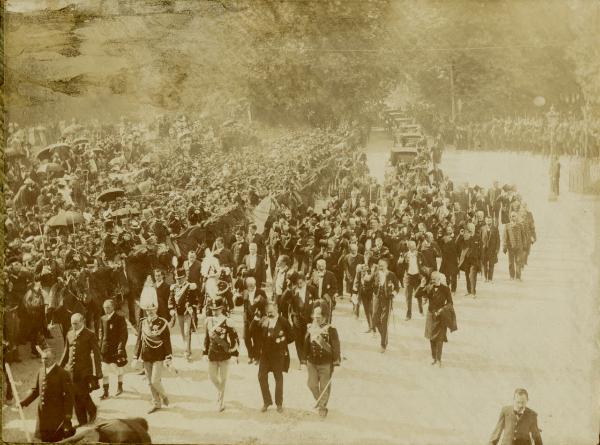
column 301, row 222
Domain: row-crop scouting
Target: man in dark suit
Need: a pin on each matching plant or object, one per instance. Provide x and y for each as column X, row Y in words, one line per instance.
column 163, row 290
column 255, row 265
column 239, row 248
column 490, row 246
column 300, row 302
column 256, row 238
column 493, row 203
column 54, row 387
column 514, row 245
column 223, row 254
column 113, row 340
column 193, row 270
column 275, row 335
column 326, row 284
column 385, row 288
column 255, row 303
column 518, row 423
column 84, row 370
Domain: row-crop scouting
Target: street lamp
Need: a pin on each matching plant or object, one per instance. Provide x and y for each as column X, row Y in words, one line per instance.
column 552, row 117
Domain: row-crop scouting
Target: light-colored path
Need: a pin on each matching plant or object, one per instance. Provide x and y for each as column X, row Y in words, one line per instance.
column 537, row 334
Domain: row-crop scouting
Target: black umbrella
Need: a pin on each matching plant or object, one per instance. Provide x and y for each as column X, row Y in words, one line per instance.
column 48, row 152
column 110, row 195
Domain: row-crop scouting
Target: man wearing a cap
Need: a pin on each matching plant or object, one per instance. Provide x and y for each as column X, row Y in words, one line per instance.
column 322, row 345
column 153, row 348
column 221, row 342
column 182, row 304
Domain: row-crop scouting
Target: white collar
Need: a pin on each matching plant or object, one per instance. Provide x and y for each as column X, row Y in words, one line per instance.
column 50, row 368
column 79, row 331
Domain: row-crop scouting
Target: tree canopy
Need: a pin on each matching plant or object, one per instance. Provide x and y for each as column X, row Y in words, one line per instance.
column 298, row 61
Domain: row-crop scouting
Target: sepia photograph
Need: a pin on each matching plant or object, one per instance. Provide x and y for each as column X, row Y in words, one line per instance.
column 301, row 222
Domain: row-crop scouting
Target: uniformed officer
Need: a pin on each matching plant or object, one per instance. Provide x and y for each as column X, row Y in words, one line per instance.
column 322, row 346
column 153, row 347
column 182, row 305
column 113, row 339
column 221, row 342
column 517, row 424
column 54, row 388
column 81, row 358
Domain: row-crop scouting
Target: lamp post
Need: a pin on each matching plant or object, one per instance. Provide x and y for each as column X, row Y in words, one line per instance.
column 554, row 171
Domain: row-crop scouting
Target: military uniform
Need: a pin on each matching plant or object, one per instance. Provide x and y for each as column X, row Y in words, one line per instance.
column 84, row 370
column 322, row 345
column 153, row 347
column 54, row 388
column 221, row 342
column 183, row 300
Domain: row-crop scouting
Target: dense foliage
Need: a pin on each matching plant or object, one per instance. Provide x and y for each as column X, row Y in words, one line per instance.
column 300, row 61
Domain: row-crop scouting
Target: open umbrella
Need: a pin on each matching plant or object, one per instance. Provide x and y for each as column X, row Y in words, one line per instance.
column 66, row 218
column 50, row 167
column 110, row 195
column 47, row 152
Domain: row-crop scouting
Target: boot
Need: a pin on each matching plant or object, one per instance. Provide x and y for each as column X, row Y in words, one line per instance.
column 104, row 395
column 119, row 388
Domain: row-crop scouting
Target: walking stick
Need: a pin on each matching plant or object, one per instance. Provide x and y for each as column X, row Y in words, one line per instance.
column 17, row 401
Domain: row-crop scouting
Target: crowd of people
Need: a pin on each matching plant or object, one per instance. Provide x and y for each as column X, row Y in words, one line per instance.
column 93, row 247
column 570, row 136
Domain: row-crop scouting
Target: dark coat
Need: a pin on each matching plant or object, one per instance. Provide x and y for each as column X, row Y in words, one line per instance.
column 55, row 391
column 490, row 244
column 329, row 286
column 449, row 265
column 113, row 339
column 516, row 431
column 157, row 331
column 300, row 312
column 257, row 309
column 181, row 299
column 259, row 272
column 162, row 295
column 274, row 353
column 325, row 349
column 384, row 290
column 220, row 342
column 77, row 358
column 436, row 326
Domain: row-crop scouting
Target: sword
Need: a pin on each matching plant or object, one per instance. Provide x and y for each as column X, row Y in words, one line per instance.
column 324, row 391
column 17, row 401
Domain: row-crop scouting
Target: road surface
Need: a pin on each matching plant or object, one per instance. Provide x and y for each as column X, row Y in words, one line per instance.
column 539, row 334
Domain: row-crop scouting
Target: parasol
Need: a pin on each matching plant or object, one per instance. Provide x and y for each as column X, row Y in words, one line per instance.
column 47, row 152
column 50, row 167
column 110, row 195
column 81, row 141
column 66, row 218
